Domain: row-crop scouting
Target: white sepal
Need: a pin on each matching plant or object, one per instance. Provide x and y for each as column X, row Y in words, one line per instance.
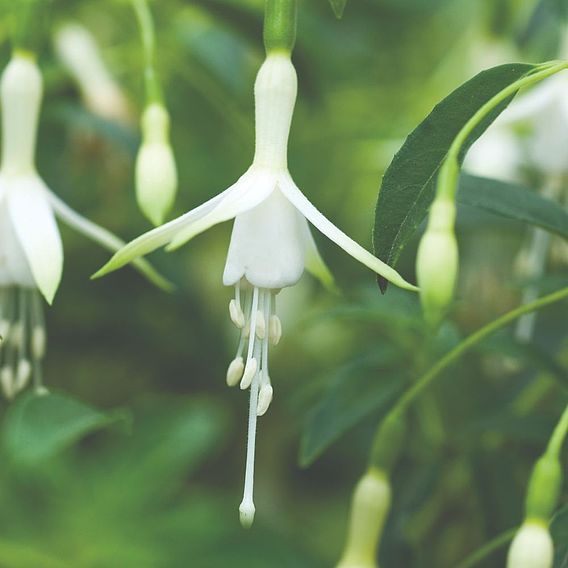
column 36, row 229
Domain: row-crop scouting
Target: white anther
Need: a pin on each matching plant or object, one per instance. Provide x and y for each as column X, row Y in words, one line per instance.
column 249, row 373
column 275, row 330
column 237, row 315
column 7, row 381
column 260, row 325
column 23, row 374
column 40, row 390
column 38, row 342
column 17, row 335
column 246, row 513
column 235, row 371
column 264, row 399
column 4, row 329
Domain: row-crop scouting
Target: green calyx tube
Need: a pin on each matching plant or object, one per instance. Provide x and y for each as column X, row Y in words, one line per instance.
column 280, row 23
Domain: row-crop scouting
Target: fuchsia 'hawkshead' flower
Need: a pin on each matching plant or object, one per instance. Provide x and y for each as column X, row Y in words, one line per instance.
column 31, row 252
column 270, row 246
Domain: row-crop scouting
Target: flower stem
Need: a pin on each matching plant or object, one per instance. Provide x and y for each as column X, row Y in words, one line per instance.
column 449, row 172
column 148, row 37
column 280, row 23
column 558, row 436
column 489, row 548
column 468, row 343
column 29, row 22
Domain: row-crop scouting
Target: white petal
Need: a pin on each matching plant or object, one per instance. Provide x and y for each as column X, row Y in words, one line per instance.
column 315, row 264
column 103, row 237
column 158, row 237
column 37, row 231
column 301, row 202
column 531, row 103
column 251, row 189
column 267, row 245
column 497, row 154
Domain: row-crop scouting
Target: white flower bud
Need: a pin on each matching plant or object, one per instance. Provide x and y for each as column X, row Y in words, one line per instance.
column 156, row 173
column 369, row 510
column 437, row 262
column 532, row 547
column 80, row 54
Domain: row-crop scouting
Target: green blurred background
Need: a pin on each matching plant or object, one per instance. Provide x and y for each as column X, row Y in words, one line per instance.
column 160, row 484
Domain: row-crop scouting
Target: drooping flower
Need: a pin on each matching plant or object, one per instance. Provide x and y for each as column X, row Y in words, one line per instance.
column 271, row 244
column 79, row 52
column 31, row 252
column 156, row 173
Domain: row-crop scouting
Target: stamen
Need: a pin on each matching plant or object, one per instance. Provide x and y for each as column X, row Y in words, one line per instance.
column 7, row 381
column 23, row 374
column 266, row 392
column 4, row 329
column 275, row 329
column 237, row 315
column 264, row 399
column 235, row 371
column 251, row 364
column 260, row 325
column 249, row 373
column 38, row 342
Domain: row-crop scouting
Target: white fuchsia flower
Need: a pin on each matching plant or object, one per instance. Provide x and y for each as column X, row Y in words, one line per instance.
column 31, row 252
column 79, row 52
column 270, row 246
column 156, row 172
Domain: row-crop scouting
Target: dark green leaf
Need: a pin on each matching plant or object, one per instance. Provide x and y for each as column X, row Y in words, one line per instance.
column 355, row 392
column 409, row 183
column 338, row 7
column 38, row 426
column 514, row 202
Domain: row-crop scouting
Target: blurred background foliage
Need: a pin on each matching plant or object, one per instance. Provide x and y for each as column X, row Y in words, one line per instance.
column 153, row 477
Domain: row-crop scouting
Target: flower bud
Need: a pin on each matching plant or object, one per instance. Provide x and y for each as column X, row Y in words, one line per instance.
column 156, row 173
column 532, row 546
column 437, row 262
column 80, row 54
column 369, row 510
column 544, row 488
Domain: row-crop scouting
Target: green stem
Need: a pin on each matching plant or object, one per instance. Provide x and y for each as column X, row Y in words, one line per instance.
column 280, row 23
column 487, row 549
column 148, row 37
column 558, row 436
column 449, row 173
column 30, row 23
column 426, row 379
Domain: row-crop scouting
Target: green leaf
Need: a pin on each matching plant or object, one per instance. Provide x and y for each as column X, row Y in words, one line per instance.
column 409, row 183
column 514, row 202
column 338, row 7
column 356, row 391
column 37, row 427
column 559, row 532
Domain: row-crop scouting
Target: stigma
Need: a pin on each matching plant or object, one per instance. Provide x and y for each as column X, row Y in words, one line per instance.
column 253, row 312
